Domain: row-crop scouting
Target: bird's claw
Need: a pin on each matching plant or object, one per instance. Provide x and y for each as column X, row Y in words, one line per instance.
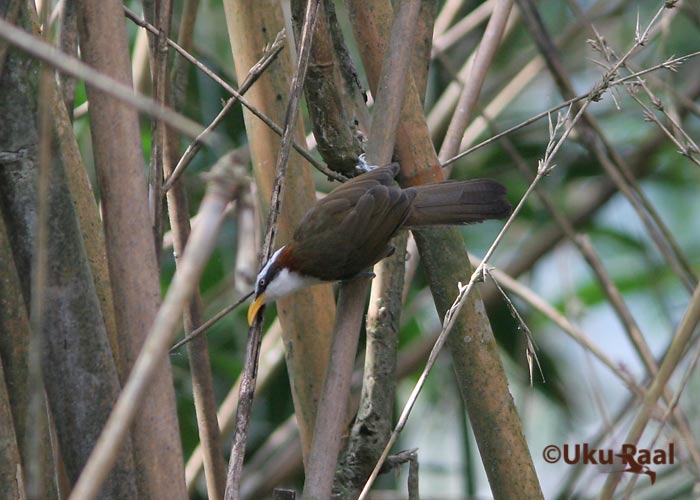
column 362, row 164
column 364, row 274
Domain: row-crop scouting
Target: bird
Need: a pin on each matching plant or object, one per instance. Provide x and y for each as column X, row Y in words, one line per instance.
column 350, row 229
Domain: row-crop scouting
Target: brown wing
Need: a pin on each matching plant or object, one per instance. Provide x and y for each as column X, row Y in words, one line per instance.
column 349, row 229
column 332, row 209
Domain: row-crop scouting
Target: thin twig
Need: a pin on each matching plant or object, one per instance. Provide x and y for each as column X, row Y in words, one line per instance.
column 271, row 360
column 585, row 247
column 607, row 156
column 688, row 150
column 255, row 71
column 613, row 294
column 210, row 322
column 556, row 317
column 223, row 187
column 255, row 111
column 72, row 66
column 249, row 375
column 546, row 164
column 565, row 104
column 667, row 243
column 531, row 346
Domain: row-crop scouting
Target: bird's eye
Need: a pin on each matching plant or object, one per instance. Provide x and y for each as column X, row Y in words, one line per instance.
column 262, row 282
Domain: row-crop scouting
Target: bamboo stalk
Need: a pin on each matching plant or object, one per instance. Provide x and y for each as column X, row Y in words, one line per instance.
column 306, row 317
column 131, row 252
column 491, row 417
column 224, row 183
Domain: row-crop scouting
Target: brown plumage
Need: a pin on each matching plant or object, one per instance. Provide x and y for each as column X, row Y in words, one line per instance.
column 349, row 230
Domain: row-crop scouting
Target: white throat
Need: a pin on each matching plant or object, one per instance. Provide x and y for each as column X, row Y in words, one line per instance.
column 287, row 282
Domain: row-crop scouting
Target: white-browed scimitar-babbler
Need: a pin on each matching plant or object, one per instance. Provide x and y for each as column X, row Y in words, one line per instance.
column 349, row 230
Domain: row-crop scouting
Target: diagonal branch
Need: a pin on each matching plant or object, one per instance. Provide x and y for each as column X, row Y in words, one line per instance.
column 247, row 104
column 387, row 112
column 477, row 75
column 254, row 73
column 72, row 66
column 249, row 375
column 224, row 183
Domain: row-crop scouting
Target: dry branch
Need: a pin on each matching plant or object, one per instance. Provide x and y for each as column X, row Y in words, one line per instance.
column 485, row 402
column 202, row 382
column 131, row 254
column 247, row 387
column 305, row 335
column 224, row 182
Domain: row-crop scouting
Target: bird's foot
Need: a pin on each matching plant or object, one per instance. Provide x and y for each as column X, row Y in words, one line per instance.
column 363, row 166
column 363, row 274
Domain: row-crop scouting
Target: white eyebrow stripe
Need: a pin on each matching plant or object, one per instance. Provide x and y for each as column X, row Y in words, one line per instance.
column 269, row 263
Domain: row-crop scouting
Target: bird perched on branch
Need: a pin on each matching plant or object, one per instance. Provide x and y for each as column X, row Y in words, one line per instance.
column 349, row 230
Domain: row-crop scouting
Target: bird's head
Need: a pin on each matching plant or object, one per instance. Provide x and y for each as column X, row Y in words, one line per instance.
column 280, row 276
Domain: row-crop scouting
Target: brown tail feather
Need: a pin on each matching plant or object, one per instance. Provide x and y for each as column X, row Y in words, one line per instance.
column 458, row 202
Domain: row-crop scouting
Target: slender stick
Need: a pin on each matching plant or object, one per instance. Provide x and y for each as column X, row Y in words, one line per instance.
column 470, row 93
column 249, row 375
column 223, row 187
column 260, row 115
column 72, row 66
column 210, row 322
column 253, row 75
column 450, row 317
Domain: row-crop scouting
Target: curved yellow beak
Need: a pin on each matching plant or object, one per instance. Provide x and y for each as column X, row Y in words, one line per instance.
column 255, row 307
